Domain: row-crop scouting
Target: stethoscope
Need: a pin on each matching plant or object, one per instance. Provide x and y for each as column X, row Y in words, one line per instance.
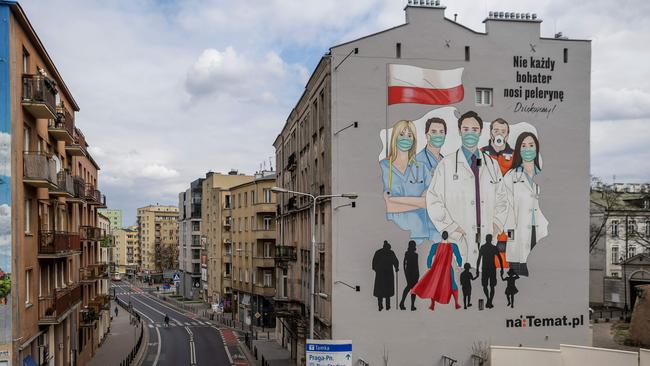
column 426, row 153
column 410, row 173
column 519, row 178
column 493, row 179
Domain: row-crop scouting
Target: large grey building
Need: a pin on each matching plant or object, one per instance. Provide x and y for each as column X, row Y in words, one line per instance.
column 189, row 240
column 439, row 127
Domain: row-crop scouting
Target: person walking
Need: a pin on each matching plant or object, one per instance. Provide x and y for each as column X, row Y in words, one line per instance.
column 116, row 311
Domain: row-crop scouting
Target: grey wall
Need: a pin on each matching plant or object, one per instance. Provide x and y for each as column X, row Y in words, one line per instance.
column 558, row 284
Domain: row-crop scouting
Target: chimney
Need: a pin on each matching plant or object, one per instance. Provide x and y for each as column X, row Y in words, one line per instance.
column 506, row 22
column 424, row 10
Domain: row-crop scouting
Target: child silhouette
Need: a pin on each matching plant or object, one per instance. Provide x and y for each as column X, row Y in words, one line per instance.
column 466, row 279
column 511, row 289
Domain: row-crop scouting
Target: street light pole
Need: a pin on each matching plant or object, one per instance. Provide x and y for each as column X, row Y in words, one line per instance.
column 312, row 270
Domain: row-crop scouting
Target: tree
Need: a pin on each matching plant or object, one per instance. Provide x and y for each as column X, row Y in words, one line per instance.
column 168, row 257
column 606, row 201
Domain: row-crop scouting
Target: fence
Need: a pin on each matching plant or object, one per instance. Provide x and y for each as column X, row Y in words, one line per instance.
column 128, row 360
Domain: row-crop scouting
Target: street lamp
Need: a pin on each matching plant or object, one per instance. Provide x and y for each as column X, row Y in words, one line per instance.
column 314, row 200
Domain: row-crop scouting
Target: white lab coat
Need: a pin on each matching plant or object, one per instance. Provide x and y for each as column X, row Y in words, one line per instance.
column 450, row 201
column 523, row 200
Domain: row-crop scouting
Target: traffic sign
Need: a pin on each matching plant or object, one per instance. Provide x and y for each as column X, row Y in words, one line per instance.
column 176, row 277
column 258, row 315
column 320, row 352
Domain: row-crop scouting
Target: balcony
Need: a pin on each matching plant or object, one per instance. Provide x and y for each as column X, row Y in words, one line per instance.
column 39, row 170
column 263, row 262
column 266, row 291
column 78, row 145
column 265, row 208
column 91, row 233
column 62, row 127
column 285, row 253
column 101, row 302
column 64, row 186
column 227, row 223
column 79, row 186
column 93, row 196
column 52, row 309
column 39, row 96
column 93, row 272
column 54, row 244
column 262, row 234
column 88, row 317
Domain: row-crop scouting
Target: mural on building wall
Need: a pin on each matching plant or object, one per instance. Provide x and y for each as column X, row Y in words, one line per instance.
column 464, row 189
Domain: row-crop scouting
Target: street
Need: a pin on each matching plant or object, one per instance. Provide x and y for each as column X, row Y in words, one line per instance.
column 187, row 340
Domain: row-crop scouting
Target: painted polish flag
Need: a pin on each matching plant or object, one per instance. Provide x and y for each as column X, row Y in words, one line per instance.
column 411, row 84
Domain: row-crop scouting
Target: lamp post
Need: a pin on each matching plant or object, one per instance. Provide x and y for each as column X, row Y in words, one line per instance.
column 312, row 270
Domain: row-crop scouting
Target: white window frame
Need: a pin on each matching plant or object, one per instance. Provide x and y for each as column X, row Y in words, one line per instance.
column 268, row 279
column 615, row 228
column 615, row 255
column 27, row 224
column 28, row 292
column 484, row 97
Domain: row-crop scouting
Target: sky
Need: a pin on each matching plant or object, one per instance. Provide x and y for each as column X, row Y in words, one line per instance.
column 169, row 89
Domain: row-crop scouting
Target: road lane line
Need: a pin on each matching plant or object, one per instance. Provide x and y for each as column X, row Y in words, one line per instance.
column 155, row 361
column 156, row 310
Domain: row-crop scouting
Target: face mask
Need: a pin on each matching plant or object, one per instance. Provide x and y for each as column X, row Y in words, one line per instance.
column 499, row 140
column 470, row 139
column 437, row 140
column 528, row 154
column 404, row 143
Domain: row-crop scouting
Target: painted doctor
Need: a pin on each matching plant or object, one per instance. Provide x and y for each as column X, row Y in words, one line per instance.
column 524, row 216
column 467, row 196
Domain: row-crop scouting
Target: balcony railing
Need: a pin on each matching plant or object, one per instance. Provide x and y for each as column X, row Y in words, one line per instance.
column 101, row 302
column 39, row 96
column 65, row 184
column 78, row 145
column 91, row 233
column 58, row 242
column 92, row 195
column 285, row 253
column 39, row 169
column 79, row 187
column 62, row 127
column 88, row 316
column 52, row 307
column 93, row 272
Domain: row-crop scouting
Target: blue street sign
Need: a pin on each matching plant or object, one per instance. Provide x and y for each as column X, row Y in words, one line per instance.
column 320, row 352
column 176, row 277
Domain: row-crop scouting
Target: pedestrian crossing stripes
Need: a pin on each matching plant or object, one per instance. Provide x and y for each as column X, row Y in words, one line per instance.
column 181, row 324
column 129, row 293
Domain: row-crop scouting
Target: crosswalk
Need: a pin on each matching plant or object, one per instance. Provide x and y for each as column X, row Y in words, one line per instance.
column 181, row 324
column 129, row 293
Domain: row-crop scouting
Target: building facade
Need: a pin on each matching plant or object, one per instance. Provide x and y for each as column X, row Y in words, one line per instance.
column 434, row 126
column 624, row 230
column 114, row 216
column 252, row 234
column 157, row 238
column 54, row 308
column 126, row 253
column 189, row 240
column 217, row 254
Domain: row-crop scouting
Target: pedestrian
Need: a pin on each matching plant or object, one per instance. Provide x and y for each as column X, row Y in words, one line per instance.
column 116, row 311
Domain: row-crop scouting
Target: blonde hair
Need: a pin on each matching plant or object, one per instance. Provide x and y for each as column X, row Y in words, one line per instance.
column 397, row 129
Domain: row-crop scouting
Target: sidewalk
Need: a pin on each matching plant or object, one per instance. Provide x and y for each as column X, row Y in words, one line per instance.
column 119, row 342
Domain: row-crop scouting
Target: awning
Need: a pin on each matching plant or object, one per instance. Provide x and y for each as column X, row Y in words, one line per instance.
column 29, row 361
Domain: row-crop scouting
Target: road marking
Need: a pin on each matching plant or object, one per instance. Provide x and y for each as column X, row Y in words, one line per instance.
column 156, row 310
column 192, row 352
column 155, row 361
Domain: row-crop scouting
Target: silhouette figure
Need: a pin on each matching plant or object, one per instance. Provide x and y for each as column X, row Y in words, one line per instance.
column 488, row 253
column 412, row 274
column 382, row 263
column 466, row 279
column 438, row 284
column 511, row 289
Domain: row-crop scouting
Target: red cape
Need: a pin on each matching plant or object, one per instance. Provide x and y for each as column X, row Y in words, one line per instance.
column 436, row 283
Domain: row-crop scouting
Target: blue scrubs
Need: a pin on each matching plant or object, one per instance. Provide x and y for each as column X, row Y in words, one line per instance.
column 410, row 184
column 428, row 160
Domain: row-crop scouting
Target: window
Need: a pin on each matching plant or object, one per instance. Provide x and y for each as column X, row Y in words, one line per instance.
column 246, row 274
column 253, row 274
column 484, row 96
column 268, row 250
column 196, row 226
column 614, row 227
column 566, row 55
column 632, row 252
column 466, row 53
column 267, row 196
column 647, row 228
column 27, row 214
column 398, row 50
column 25, row 61
column 615, row 274
column 246, row 223
column 285, row 283
column 245, row 199
column 239, row 200
column 26, row 134
column 252, row 197
column 615, row 258
column 268, row 222
column 28, row 286
column 268, row 279
column 227, row 201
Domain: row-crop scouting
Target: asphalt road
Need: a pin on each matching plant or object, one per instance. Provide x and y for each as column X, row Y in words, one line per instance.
column 187, row 341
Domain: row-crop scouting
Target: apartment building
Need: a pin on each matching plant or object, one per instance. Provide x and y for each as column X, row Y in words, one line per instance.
column 57, row 310
column 365, row 101
column 114, row 216
column 215, row 207
column 126, row 252
column 251, row 253
column 189, row 241
column 158, row 239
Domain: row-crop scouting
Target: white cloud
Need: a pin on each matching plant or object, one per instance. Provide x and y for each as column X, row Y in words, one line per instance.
column 5, row 154
column 614, row 104
column 157, row 171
